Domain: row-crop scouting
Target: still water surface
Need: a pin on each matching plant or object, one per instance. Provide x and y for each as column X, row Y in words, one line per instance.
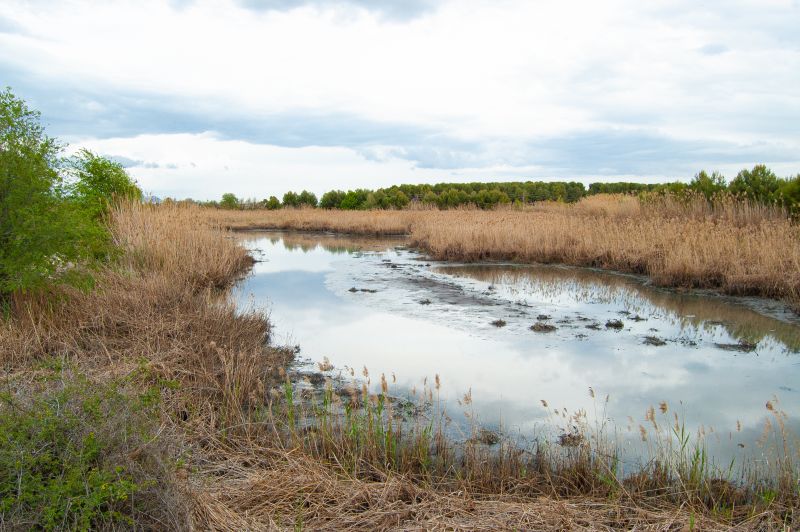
column 715, row 360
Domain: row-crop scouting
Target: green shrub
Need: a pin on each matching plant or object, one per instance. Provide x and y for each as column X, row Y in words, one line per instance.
column 759, row 184
column 45, row 232
column 229, row 201
column 100, row 183
column 708, row 185
column 272, row 203
column 65, row 457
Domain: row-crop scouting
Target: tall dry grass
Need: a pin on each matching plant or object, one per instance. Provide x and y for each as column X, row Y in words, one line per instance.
column 737, row 247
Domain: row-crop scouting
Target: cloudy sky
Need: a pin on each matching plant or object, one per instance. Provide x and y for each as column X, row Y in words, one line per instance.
column 256, row 97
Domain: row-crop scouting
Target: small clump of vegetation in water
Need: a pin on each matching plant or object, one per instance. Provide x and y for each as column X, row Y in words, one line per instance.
column 654, row 340
column 499, row 323
column 614, row 324
column 543, row 327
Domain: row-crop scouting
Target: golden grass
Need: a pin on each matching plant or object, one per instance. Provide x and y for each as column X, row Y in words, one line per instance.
column 159, row 317
column 737, row 247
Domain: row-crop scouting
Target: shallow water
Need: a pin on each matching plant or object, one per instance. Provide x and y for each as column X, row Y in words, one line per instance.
column 360, row 302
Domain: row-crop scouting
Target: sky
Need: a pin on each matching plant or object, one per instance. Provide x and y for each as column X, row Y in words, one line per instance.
column 257, row 97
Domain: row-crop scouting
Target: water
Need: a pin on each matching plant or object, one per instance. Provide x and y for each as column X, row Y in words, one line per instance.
column 372, row 303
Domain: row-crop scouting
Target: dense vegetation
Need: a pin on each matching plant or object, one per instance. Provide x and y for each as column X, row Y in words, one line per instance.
column 70, row 449
column 51, row 206
column 759, row 184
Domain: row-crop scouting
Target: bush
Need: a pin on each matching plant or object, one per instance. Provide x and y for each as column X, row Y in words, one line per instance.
column 46, row 233
column 291, row 199
column 229, row 201
column 65, row 458
column 708, row 185
column 272, row 203
column 101, row 183
column 332, row 199
column 759, row 184
column 307, row 198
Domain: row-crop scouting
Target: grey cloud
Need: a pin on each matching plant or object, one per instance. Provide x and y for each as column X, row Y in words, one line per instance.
column 77, row 111
column 390, row 9
column 641, row 152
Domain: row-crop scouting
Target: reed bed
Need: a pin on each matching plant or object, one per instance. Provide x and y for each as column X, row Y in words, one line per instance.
column 737, row 247
column 237, row 450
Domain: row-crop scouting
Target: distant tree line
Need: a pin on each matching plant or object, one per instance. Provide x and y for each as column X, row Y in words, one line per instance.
column 758, row 184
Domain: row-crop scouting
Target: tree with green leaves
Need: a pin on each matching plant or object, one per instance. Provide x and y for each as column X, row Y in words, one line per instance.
column 272, row 203
column 46, row 235
column 708, row 185
column 291, row 199
column 229, row 201
column 789, row 193
column 332, row 199
column 101, row 183
column 307, row 198
column 759, row 184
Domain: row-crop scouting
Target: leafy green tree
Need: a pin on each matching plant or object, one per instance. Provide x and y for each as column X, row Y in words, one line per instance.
column 759, row 184
column 45, row 235
column 101, row 183
column 229, row 201
column 353, row 200
column 430, row 198
column 307, row 198
column 708, row 185
column 272, row 203
column 398, row 199
column 789, row 194
column 332, row 199
column 291, row 199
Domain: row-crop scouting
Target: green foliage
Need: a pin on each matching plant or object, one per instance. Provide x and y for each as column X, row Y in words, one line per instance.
column 331, row 199
column 307, row 198
column 759, row 184
column 229, row 201
column 100, row 183
column 708, row 185
column 45, row 232
column 272, row 203
column 62, row 454
column 291, row 199
column 450, row 195
column 623, row 187
column 354, row 200
column 789, row 194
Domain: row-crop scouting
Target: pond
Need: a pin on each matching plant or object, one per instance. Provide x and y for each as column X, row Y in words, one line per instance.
column 374, row 303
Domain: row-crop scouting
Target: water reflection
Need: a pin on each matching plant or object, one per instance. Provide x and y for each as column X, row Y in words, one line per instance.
column 748, row 320
column 370, row 302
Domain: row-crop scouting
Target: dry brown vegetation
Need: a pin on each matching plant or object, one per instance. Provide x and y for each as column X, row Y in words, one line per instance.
column 231, row 454
column 737, row 247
